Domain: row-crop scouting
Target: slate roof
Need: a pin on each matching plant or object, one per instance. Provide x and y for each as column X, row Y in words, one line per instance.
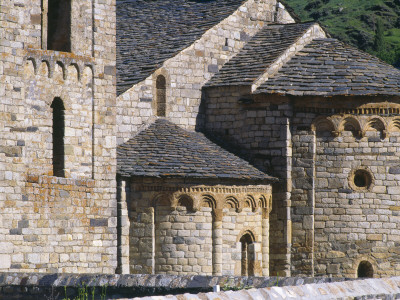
column 166, row 150
column 151, row 31
column 258, row 54
column 329, row 67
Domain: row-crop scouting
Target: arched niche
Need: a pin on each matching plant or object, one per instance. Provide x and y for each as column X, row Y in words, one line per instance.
column 351, row 124
column 73, row 72
column 208, row 201
column 162, row 199
column 59, row 71
column 250, row 202
column 262, row 202
column 30, row 68
column 394, row 125
column 186, row 201
column 324, row 126
column 44, row 69
column 232, row 204
column 87, row 76
column 365, row 270
column 376, row 125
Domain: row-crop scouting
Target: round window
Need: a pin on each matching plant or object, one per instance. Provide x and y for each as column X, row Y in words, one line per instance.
column 361, row 179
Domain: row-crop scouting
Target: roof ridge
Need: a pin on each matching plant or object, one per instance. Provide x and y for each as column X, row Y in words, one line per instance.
column 330, row 67
column 263, row 50
column 314, row 30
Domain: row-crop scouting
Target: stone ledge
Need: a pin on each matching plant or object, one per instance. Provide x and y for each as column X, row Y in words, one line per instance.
column 384, row 288
column 45, row 285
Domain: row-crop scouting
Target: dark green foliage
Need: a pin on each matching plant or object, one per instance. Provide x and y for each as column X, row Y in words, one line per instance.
column 372, row 26
column 379, row 42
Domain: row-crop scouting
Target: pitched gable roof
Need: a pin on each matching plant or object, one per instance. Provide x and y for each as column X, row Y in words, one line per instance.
column 150, row 32
column 329, row 67
column 166, row 150
column 258, row 54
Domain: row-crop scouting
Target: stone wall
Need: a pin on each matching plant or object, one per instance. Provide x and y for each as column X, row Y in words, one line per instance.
column 352, row 221
column 177, row 228
column 260, row 132
column 189, row 70
column 234, row 224
column 53, row 285
column 315, row 227
column 50, row 223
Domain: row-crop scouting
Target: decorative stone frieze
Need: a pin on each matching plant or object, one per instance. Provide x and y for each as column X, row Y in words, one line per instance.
column 181, row 228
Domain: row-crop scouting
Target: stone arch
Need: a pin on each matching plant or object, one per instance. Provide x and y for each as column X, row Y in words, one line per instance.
column 208, row 201
column 73, row 72
column 63, row 94
column 232, row 203
column 365, row 270
column 30, row 68
column 186, row 201
column 161, row 199
column 247, row 240
column 394, row 125
column 263, row 202
column 249, row 201
column 376, row 124
column 323, row 126
column 161, row 82
column 87, row 76
column 351, row 124
column 367, row 263
column 44, row 69
column 59, row 71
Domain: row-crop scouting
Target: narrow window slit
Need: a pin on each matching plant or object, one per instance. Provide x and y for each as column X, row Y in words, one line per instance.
column 58, row 137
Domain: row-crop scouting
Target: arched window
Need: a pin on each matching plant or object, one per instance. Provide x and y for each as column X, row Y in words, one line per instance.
column 247, row 255
column 58, row 137
column 59, row 25
column 365, row 270
column 161, row 89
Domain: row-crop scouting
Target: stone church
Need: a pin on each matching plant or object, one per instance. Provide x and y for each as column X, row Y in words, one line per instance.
column 193, row 137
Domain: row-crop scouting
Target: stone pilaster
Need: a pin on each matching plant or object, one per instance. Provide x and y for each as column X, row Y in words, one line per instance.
column 265, row 241
column 217, row 242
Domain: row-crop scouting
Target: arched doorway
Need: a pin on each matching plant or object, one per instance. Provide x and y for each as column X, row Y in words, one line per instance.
column 365, row 270
column 247, row 262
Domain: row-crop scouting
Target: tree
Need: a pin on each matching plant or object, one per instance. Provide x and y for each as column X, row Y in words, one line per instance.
column 379, row 42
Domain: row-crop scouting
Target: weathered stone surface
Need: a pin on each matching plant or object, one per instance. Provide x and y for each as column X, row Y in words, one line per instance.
column 46, row 218
column 21, row 285
column 370, row 289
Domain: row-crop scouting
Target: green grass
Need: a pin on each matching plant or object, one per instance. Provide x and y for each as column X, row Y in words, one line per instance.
column 354, row 21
